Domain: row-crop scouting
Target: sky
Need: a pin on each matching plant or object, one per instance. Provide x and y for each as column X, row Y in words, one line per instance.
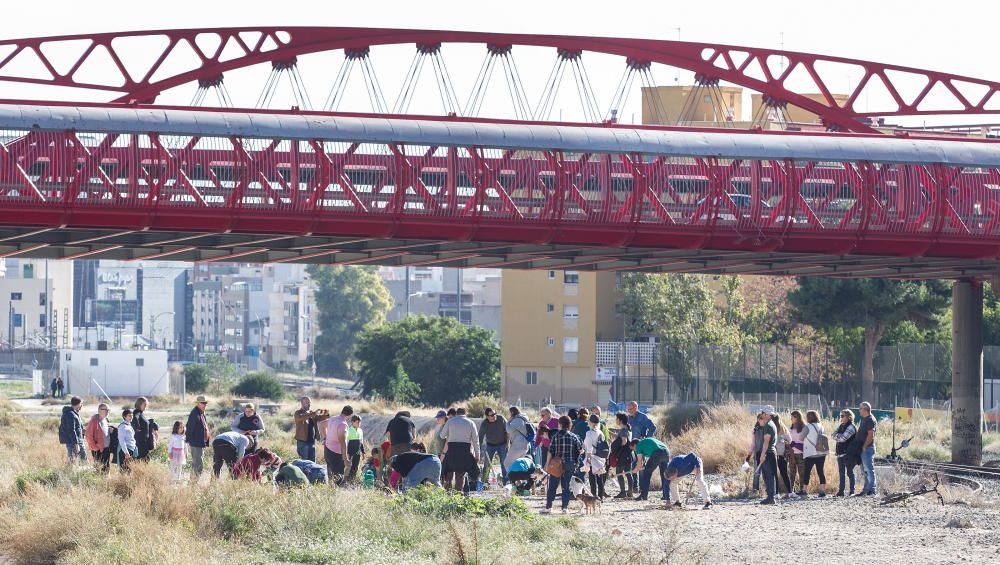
column 956, row 36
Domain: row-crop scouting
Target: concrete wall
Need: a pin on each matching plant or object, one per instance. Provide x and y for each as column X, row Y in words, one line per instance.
column 115, row 373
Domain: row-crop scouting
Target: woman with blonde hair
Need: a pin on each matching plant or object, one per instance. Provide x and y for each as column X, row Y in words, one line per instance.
column 796, row 437
column 813, row 453
column 845, row 461
column 782, row 445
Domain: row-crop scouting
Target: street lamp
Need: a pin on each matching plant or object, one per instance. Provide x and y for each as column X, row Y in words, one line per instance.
column 152, row 326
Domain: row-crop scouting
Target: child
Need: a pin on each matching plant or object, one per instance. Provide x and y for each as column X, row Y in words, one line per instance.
column 373, row 463
column 176, row 452
column 384, row 458
column 355, row 446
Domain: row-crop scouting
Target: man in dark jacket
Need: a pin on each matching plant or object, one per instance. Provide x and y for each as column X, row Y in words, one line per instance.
column 143, row 429
column 71, row 430
column 197, row 435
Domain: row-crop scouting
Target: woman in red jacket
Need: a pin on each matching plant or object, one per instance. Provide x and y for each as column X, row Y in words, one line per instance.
column 98, row 437
column 249, row 466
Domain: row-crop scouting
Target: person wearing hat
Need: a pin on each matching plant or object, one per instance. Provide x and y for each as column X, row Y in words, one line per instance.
column 764, row 457
column 250, row 424
column 495, row 441
column 197, row 435
column 437, row 444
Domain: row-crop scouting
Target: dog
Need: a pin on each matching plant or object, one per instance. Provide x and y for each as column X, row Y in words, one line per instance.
column 589, row 504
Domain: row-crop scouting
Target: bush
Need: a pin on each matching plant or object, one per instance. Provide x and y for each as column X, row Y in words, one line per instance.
column 43, row 477
column 437, row 502
column 196, row 378
column 675, row 418
column 475, row 406
column 260, row 385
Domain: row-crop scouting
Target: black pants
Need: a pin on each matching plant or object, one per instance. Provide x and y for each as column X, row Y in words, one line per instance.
column 818, row 463
column 223, row 452
column 783, row 471
column 522, row 479
column 354, row 451
column 102, row 459
column 334, row 465
column 459, row 463
column 597, row 484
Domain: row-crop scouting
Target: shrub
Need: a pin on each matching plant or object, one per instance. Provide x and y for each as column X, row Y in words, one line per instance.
column 437, row 502
column 260, row 385
column 675, row 418
column 196, row 378
column 42, row 477
column 476, row 405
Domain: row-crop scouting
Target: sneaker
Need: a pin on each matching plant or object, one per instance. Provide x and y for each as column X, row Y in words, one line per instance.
column 545, row 511
column 793, row 496
column 840, row 493
column 802, row 493
column 822, row 494
column 677, row 504
column 767, row 501
column 565, row 511
column 783, row 496
column 641, row 498
column 707, row 505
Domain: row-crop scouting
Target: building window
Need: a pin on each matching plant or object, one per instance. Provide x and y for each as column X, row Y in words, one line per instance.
column 29, row 271
column 571, row 344
column 15, row 296
column 140, row 362
column 550, row 307
column 41, row 299
column 618, row 281
column 41, row 320
column 571, row 277
column 619, row 308
column 551, row 341
column 571, row 311
column 531, row 377
column 93, row 361
column 552, row 275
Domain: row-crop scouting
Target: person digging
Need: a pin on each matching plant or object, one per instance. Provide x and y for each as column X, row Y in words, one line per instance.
column 682, row 466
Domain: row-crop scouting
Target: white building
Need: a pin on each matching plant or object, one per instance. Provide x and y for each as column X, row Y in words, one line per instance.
column 36, row 309
column 114, row 373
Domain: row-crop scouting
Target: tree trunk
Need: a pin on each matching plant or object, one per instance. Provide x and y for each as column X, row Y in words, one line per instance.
column 873, row 335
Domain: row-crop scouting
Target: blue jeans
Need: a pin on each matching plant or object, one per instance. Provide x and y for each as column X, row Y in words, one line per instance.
column 769, row 472
column 658, row 460
column 489, row 452
column 76, row 451
column 845, row 472
column 554, row 483
column 429, row 469
column 306, row 450
column 868, row 464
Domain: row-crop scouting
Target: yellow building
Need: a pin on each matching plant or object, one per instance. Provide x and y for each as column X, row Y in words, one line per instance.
column 709, row 109
column 796, row 114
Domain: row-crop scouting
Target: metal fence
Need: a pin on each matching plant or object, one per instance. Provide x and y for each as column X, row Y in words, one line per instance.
column 707, row 373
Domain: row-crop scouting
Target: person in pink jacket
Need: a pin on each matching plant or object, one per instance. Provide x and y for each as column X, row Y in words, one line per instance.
column 97, row 435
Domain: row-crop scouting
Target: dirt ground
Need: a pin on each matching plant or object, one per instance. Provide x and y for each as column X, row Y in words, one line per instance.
column 815, row 530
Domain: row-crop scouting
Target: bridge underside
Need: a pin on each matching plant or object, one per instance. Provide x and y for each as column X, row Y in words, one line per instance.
column 66, row 243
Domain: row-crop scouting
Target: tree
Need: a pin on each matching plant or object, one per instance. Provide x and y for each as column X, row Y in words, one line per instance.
column 350, row 301
column 874, row 305
column 221, row 371
column 446, row 360
column 401, row 389
column 196, row 378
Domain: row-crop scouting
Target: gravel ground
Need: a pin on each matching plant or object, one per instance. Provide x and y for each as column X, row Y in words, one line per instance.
column 814, row 530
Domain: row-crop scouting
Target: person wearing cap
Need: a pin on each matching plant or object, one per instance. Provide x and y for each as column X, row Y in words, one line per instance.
column 197, row 435
column 764, row 456
column 250, row 424
column 495, row 441
column 338, row 460
column 520, row 438
column 307, row 428
column 437, row 444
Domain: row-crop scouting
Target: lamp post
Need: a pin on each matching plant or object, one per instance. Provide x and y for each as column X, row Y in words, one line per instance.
column 152, row 326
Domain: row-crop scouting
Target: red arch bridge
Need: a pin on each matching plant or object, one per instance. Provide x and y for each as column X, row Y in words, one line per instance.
column 110, row 175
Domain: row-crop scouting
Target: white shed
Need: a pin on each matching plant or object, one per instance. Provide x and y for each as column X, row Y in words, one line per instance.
column 88, row 372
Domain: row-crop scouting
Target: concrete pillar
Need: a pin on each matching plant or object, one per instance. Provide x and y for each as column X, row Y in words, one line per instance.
column 967, row 373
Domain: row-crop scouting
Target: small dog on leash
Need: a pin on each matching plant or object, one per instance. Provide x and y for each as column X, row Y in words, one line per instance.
column 589, row 504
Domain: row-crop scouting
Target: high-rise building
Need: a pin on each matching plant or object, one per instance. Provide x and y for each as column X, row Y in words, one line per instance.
column 37, row 308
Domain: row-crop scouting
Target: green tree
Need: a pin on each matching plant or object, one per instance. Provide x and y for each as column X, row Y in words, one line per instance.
column 401, row 389
column 196, row 378
column 873, row 305
column 447, row 360
column 350, row 301
column 222, row 372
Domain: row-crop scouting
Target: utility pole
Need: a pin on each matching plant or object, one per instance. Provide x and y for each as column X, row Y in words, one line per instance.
column 407, row 287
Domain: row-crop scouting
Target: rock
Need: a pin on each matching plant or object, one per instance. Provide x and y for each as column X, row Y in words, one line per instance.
column 960, row 522
column 616, row 532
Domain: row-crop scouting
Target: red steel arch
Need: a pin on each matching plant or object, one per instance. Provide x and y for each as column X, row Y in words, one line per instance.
column 748, row 67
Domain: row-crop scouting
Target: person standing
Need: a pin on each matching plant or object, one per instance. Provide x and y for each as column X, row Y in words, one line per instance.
column 176, row 452
column 844, row 436
column 71, row 431
column 642, row 426
column 228, row 448
column 864, row 447
column 355, row 446
column 335, row 446
column 493, row 436
column 60, row 387
column 621, row 452
column 54, row 385
column 437, row 444
column 143, row 430
column 98, row 438
column 126, row 441
column 812, row 454
column 549, row 421
column 564, row 446
column 461, row 452
column 653, row 454
column 250, row 424
column 401, row 433
column 765, row 457
column 520, row 434
column 683, row 465
column 307, row 428
column 596, row 451
column 197, row 435
column 796, row 438
column 781, row 447
column 581, row 424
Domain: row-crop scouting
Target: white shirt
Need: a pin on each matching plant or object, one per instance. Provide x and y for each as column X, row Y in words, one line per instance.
column 810, row 435
column 126, row 437
column 176, row 442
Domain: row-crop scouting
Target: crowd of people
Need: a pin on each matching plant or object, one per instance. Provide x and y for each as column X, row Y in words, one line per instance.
column 572, row 455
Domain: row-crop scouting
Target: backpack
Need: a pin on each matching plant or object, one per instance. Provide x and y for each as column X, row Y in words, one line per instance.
column 113, row 443
column 315, row 472
column 530, row 428
column 601, row 448
column 822, row 443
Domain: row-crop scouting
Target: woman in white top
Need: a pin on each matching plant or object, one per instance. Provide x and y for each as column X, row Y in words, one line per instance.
column 126, row 440
column 593, row 464
column 812, row 456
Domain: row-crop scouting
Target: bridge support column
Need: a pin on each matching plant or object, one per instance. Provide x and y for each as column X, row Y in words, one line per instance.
column 967, row 373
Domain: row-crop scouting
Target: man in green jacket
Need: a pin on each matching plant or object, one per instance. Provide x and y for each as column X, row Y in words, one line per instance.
column 653, row 454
